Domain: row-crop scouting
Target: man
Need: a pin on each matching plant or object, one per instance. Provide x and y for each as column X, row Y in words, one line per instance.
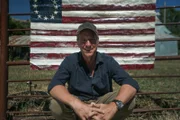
column 89, row 75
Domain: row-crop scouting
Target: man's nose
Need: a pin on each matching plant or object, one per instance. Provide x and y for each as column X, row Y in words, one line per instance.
column 88, row 43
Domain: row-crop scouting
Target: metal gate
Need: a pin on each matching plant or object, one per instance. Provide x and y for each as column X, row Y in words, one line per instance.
column 4, row 63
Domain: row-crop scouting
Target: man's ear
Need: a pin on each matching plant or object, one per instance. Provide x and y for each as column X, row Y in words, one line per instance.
column 78, row 43
column 97, row 42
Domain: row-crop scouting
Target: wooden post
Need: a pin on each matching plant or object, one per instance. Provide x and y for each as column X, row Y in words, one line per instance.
column 3, row 59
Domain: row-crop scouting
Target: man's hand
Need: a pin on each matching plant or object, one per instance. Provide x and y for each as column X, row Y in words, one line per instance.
column 107, row 111
column 85, row 111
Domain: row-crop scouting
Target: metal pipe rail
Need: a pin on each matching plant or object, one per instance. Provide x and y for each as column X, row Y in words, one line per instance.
column 137, row 110
column 27, row 14
column 165, row 39
column 39, row 80
column 154, row 110
column 25, row 29
column 167, row 58
column 168, row 39
column 168, row 7
column 170, row 23
column 140, row 76
column 25, row 62
column 47, row 96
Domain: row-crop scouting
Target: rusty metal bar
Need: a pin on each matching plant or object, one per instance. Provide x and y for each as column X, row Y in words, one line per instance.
column 24, row 14
column 165, row 39
column 20, row 45
column 154, row 110
column 47, row 96
column 24, row 62
column 144, row 76
column 4, row 58
column 33, row 117
column 15, row 63
column 137, row 110
column 25, row 29
column 156, row 93
column 39, row 80
column 167, row 57
column 171, row 23
column 156, row 76
column 19, row 14
column 168, row 7
column 168, row 39
column 29, row 96
column 29, row 112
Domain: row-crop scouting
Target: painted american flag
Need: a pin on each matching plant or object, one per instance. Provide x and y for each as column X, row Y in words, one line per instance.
column 126, row 30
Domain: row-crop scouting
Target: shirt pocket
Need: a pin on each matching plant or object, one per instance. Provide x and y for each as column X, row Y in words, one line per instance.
column 102, row 83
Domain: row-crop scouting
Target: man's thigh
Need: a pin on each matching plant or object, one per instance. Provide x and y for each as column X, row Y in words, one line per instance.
column 61, row 111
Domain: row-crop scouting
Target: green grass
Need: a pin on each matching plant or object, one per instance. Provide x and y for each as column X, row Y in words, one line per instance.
column 146, row 84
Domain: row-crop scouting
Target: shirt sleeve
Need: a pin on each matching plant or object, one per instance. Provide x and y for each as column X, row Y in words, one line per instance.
column 120, row 76
column 61, row 76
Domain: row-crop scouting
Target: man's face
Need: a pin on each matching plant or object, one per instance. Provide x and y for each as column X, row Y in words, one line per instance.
column 87, row 42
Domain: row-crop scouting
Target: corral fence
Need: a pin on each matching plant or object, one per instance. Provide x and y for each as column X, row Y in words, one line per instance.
column 4, row 64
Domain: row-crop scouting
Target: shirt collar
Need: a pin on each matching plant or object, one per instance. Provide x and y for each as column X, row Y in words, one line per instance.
column 99, row 58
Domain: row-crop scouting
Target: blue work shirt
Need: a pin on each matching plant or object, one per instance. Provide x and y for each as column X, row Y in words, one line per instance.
column 74, row 71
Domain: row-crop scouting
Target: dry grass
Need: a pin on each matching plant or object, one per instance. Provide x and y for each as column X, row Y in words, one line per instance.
column 146, row 84
column 156, row 116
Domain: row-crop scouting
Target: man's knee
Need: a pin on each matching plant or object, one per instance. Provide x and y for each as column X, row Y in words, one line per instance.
column 61, row 111
column 125, row 111
column 56, row 109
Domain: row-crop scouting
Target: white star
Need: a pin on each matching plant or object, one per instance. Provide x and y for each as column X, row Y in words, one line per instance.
column 54, row 1
column 35, row 6
column 56, row 6
column 45, row 18
column 39, row 16
column 36, row 11
column 52, row 16
column 55, row 12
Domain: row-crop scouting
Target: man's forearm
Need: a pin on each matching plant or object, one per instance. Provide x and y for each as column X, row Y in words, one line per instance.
column 126, row 93
column 61, row 93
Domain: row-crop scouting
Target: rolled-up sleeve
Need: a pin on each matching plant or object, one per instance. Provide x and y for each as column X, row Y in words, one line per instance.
column 61, row 76
column 120, row 76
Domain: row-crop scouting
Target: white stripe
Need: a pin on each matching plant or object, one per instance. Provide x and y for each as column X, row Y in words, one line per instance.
column 103, row 50
column 121, row 61
column 114, row 38
column 72, row 26
column 108, row 2
column 112, row 14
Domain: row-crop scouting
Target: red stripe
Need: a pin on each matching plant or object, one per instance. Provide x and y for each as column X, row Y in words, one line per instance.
column 55, row 67
column 101, row 44
column 143, row 66
column 109, row 7
column 62, row 56
column 107, row 20
column 100, row 32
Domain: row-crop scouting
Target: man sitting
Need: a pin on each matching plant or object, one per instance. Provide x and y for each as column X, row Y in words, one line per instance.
column 89, row 75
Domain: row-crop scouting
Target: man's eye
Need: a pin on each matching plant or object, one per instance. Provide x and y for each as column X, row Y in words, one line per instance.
column 84, row 41
column 93, row 40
